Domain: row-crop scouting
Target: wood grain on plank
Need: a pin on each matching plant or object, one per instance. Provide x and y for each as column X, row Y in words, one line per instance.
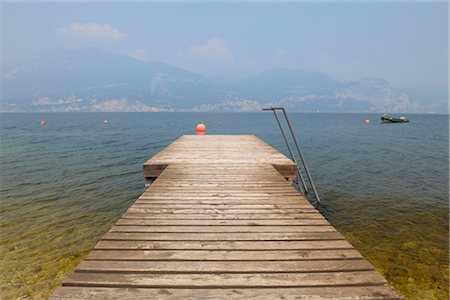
column 239, row 280
column 224, row 245
column 242, row 255
column 222, row 228
column 275, row 236
column 196, row 222
column 297, row 293
column 303, row 266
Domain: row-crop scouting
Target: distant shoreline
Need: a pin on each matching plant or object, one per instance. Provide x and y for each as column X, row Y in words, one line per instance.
column 212, row 112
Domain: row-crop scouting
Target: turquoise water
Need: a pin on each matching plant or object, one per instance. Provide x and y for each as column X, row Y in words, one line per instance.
column 62, row 185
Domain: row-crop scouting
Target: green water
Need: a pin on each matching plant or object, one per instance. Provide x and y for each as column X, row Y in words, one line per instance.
column 62, row 186
column 414, row 259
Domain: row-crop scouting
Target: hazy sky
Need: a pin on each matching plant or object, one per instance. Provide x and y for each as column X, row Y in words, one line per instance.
column 405, row 43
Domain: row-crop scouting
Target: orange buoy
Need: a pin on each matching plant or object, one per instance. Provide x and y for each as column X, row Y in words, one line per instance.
column 366, row 121
column 201, row 128
column 42, row 122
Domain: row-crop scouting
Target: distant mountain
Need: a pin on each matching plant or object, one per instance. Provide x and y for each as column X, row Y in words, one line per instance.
column 94, row 80
column 273, row 84
column 313, row 91
column 54, row 78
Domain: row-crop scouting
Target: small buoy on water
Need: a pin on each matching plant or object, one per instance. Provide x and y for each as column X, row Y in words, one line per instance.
column 201, row 128
column 366, row 121
column 105, row 121
column 42, row 122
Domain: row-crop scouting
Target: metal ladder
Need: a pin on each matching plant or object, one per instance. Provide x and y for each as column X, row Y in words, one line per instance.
column 302, row 185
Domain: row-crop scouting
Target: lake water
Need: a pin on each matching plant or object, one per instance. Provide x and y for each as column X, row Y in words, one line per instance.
column 384, row 186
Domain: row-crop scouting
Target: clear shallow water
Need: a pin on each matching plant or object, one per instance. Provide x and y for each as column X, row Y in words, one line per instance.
column 62, row 185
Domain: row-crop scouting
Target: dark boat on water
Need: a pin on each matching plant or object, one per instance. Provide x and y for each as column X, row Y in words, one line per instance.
column 388, row 119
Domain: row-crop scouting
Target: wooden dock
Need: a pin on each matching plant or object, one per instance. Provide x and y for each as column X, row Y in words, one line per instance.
column 222, row 222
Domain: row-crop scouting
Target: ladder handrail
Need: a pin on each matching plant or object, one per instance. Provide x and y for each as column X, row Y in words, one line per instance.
column 303, row 187
column 300, row 153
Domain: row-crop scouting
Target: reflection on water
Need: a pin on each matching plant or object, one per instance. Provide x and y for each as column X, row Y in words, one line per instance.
column 384, row 186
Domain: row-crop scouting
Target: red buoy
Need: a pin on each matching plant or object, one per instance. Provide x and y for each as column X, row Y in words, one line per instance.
column 42, row 122
column 201, row 128
column 366, row 121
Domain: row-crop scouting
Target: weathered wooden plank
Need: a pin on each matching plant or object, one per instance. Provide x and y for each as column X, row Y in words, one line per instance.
column 222, row 199
column 134, row 209
column 219, row 193
column 276, row 236
column 220, row 202
column 225, row 280
column 219, row 228
column 221, row 245
column 203, row 176
column 210, row 179
column 301, row 216
column 224, row 266
column 248, row 191
column 229, row 184
column 206, row 182
column 219, row 206
column 196, row 222
column 241, row 255
column 297, row 293
column 244, row 187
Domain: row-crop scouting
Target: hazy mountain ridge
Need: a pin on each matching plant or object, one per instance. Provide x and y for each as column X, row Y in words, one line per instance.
column 93, row 80
column 94, row 76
